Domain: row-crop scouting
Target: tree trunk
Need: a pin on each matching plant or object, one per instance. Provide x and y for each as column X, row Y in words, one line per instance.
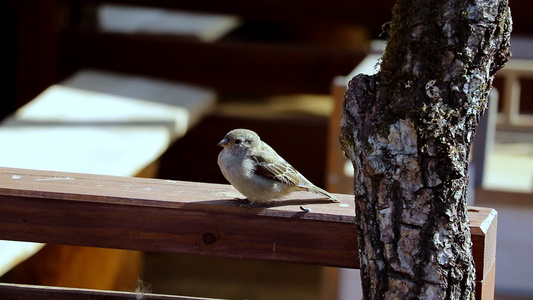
column 408, row 131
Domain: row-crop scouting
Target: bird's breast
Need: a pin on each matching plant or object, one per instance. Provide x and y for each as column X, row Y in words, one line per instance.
column 234, row 166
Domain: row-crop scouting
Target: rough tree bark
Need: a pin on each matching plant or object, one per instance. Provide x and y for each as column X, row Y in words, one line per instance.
column 408, row 131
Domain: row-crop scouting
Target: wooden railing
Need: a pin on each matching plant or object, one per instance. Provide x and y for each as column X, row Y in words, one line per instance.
column 191, row 218
column 511, row 119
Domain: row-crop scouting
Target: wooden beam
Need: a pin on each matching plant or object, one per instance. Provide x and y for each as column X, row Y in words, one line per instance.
column 336, row 180
column 228, row 66
column 186, row 217
column 371, row 14
column 484, row 251
column 496, row 198
column 22, row 292
column 325, row 12
column 169, row 216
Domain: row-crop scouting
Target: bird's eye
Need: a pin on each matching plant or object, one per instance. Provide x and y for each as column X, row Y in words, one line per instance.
column 238, row 141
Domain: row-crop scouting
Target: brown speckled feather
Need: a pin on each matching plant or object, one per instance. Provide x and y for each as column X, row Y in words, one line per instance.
column 282, row 172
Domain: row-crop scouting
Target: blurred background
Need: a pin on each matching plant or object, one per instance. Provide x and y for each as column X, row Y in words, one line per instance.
column 148, row 88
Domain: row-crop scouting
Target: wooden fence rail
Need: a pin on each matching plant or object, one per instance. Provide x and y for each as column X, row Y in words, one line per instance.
column 193, row 218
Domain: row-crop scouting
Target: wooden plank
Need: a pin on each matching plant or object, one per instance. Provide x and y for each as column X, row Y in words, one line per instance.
column 485, row 287
column 132, row 19
column 329, row 283
column 183, row 217
column 336, row 180
column 22, row 292
column 511, row 98
column 484, row 250
column 228, row 66
column 371, row 14
column 325, row 12
column 495, row 198
column 167, row 216
column 82, row 267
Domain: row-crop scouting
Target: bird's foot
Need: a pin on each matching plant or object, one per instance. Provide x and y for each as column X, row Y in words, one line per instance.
column 251, row 205
column 245, row 202
column 241, row 200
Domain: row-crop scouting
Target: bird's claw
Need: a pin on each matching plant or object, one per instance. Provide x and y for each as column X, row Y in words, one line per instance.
column 241, row 200
column 244, row 202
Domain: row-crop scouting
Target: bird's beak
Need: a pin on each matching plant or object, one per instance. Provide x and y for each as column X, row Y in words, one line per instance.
column 223, row 143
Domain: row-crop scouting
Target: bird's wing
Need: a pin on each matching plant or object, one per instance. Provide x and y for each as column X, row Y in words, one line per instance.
column 269, row 164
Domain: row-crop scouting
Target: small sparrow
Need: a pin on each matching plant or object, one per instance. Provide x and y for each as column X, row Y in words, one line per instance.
column 257, row 171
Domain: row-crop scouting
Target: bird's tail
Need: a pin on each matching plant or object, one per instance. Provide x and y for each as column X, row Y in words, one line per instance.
column 320, row 191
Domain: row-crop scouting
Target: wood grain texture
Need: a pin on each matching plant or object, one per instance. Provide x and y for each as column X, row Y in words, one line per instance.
column 180, row 217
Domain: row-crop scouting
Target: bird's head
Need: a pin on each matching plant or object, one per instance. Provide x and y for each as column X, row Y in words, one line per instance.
column 239, row 139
